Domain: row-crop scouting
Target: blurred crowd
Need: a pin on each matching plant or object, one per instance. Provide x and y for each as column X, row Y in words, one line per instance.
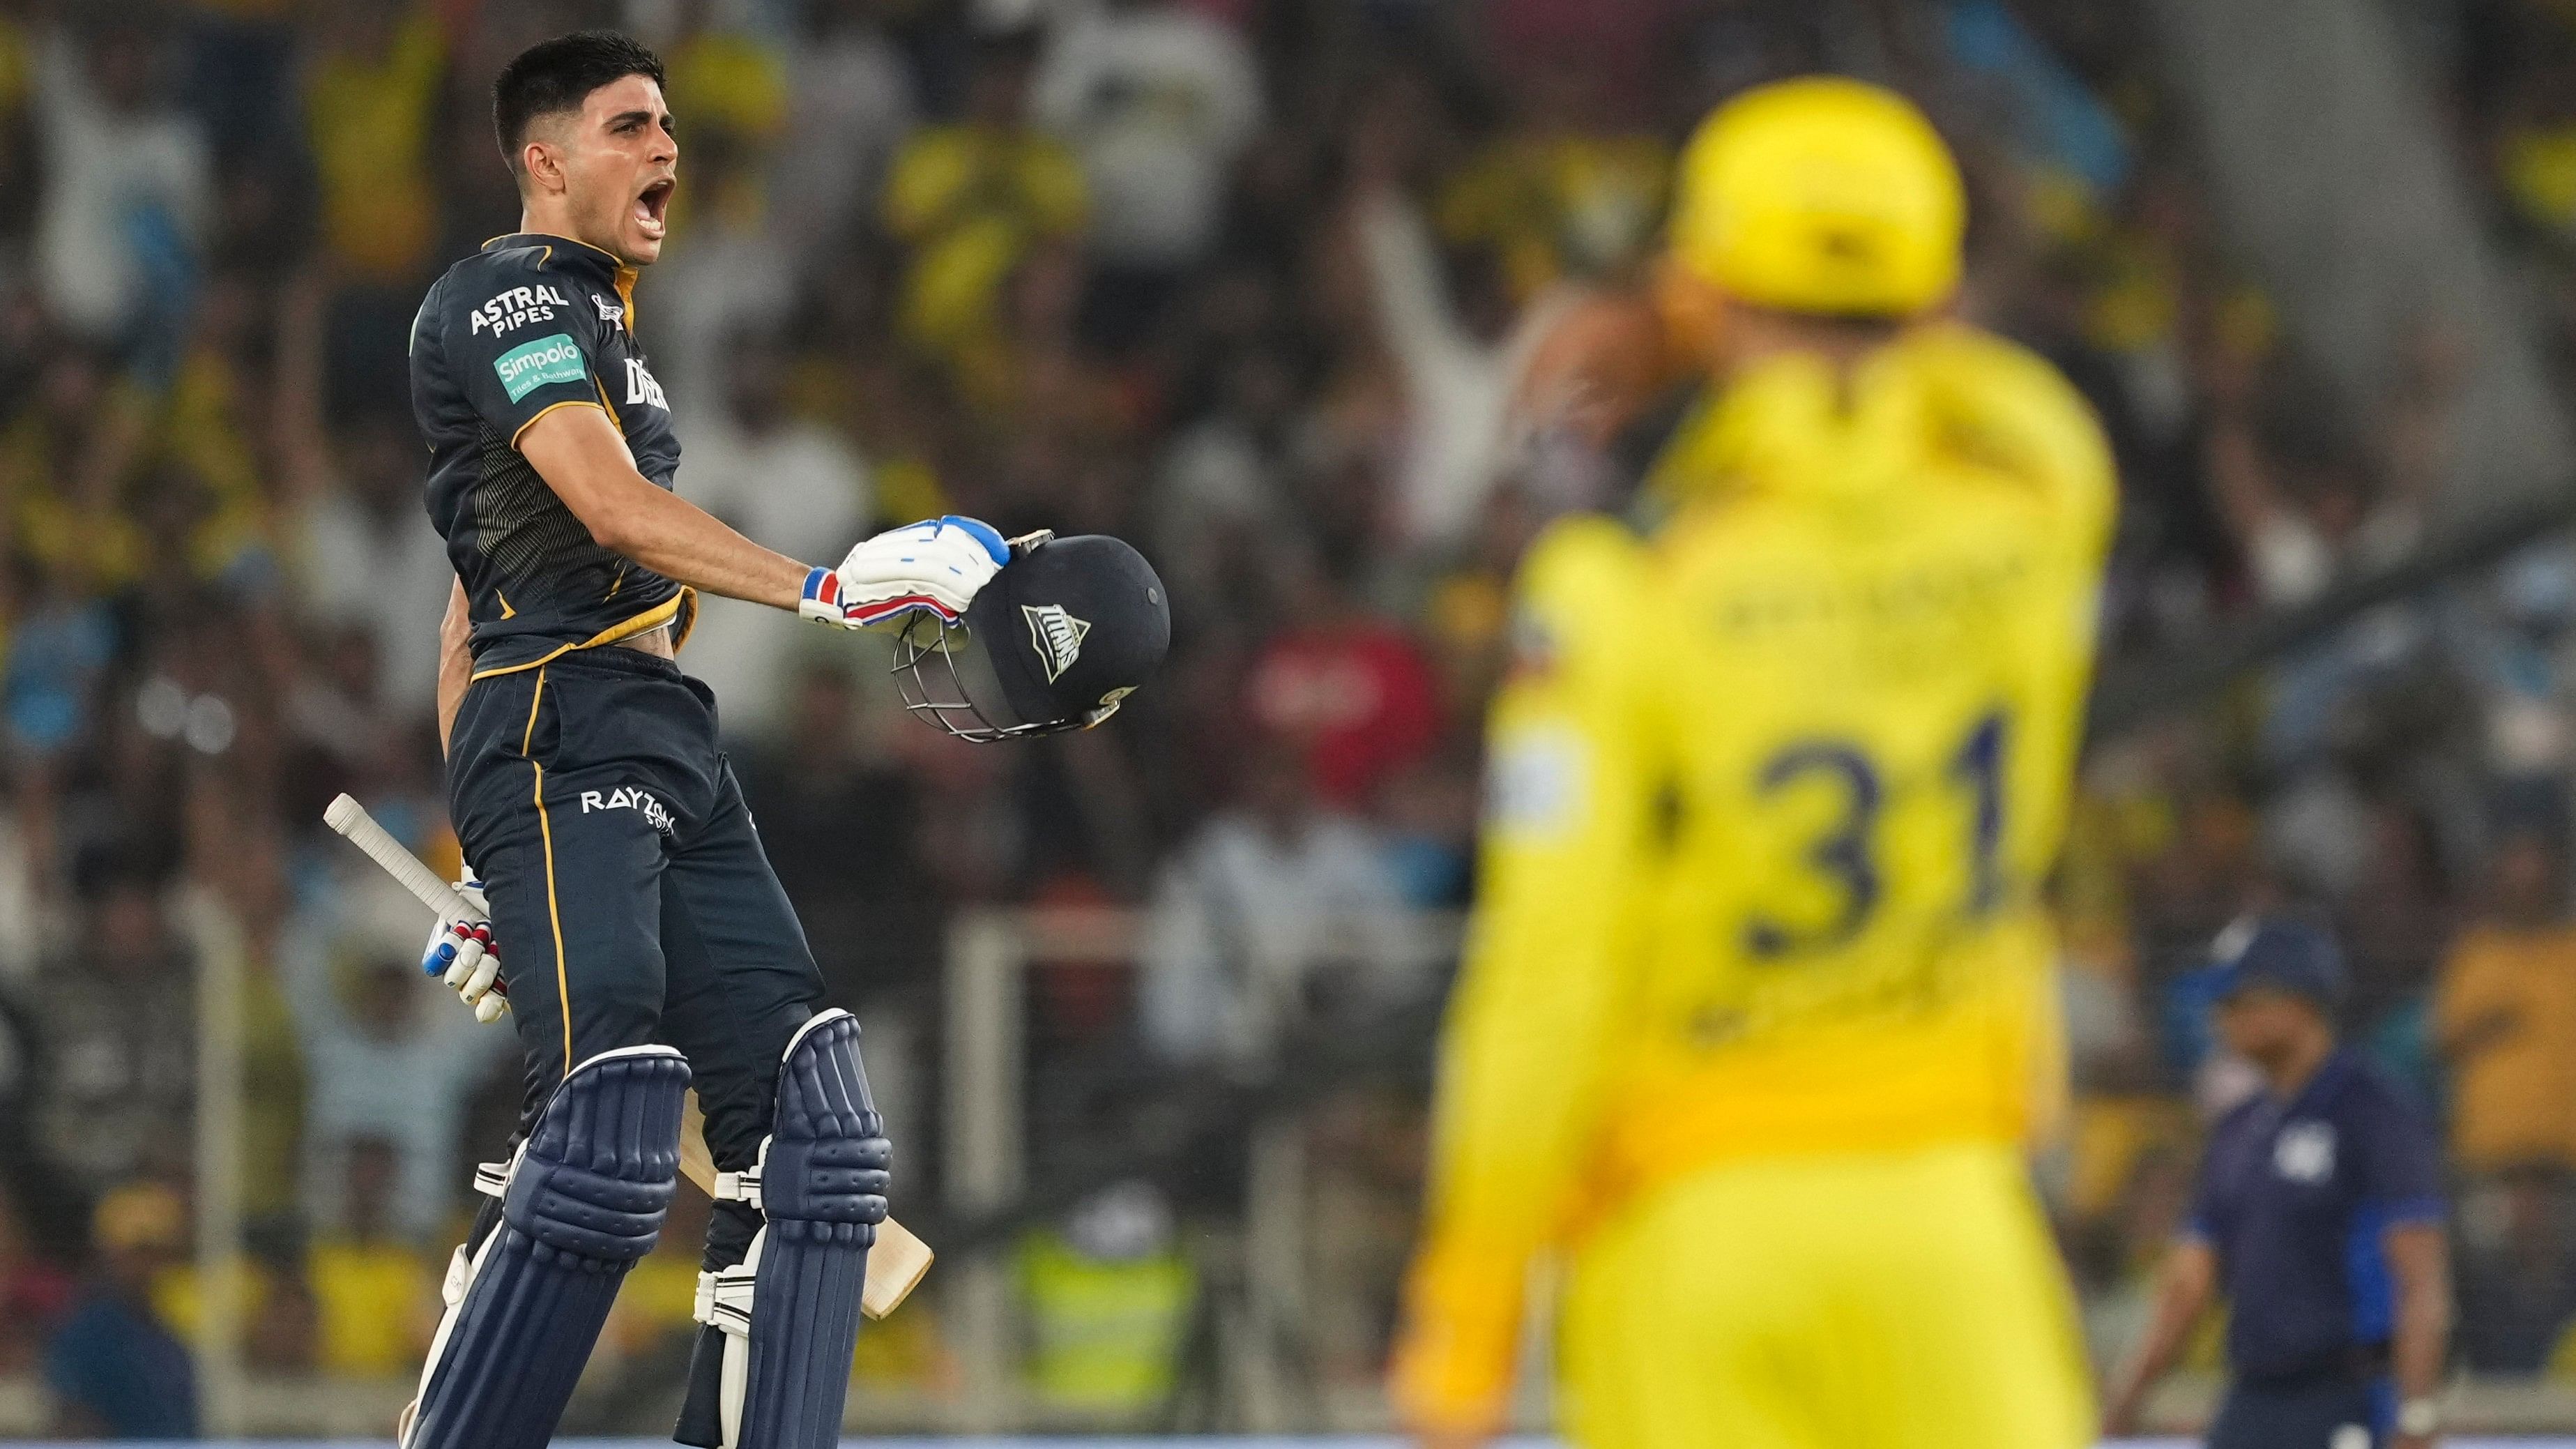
column 1244, row 281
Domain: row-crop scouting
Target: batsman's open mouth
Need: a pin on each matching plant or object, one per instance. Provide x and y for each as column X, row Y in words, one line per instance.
column 652, row 207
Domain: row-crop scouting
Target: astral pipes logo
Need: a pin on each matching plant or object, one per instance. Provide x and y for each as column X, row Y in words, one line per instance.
column 548, row 359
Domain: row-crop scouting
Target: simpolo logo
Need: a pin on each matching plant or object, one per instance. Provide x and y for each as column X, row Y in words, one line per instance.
column 532, row 365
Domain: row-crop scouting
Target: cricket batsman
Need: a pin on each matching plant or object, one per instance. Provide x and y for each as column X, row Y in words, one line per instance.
column 648, row 944
column 1758, row 989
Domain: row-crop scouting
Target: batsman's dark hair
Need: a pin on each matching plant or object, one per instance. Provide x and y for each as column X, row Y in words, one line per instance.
column 557, row 75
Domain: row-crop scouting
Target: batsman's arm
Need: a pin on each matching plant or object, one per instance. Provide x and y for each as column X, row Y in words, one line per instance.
column 455, row 660
column 1528, row 1036
column 580, row 455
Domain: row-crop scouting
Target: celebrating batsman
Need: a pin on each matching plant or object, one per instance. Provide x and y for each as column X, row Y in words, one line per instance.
column 641, row 939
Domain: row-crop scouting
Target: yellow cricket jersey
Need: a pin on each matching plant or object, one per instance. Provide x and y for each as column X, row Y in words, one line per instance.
column 1773, row 792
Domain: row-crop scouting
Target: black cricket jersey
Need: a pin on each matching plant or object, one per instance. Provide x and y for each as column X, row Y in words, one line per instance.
column 529, row 324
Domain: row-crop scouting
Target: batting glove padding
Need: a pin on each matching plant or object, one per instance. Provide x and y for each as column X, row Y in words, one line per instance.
column 461, row 953
column 932, row 567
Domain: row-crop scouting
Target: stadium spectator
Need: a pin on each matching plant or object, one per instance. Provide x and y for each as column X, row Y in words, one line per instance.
column 1109, row 1296
column 1250, row 917
column 2517, row 1270
column 374, row 1295
column 1223, row 483
column 129, row 188
column 371, row 90
column 974, row 201
column 118, row 1015
column 1158, row 98
column 114, row 1367
column 351, row 497
column 726, row 271
column 2506, row 1018
column 34, row 1290
column 1448, row 329
column 784, row 481
column 1342, row 684
column 387, row 1065
column 850, row 102
column 1567, row 192
column 819, row 793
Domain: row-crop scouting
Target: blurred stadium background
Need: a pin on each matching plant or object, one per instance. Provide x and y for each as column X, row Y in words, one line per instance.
column 1242, row 281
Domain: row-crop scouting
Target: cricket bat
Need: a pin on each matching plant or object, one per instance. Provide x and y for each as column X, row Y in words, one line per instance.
column 898, row 1262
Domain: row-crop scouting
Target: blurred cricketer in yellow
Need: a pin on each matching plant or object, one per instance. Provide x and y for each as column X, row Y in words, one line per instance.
column 1758, row 1002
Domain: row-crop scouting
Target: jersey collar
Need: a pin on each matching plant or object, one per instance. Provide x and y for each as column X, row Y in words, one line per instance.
column 2320, row 1088
column 583, row 255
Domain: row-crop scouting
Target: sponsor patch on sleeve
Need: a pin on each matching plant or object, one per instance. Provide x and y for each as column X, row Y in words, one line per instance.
column 532, row 365
column 1534, row 783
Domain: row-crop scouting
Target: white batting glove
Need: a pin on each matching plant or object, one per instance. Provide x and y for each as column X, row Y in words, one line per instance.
column 461, row 953
column 933, row 567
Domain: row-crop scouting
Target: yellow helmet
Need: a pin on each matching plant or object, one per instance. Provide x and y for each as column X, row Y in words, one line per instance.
column 1821, row 194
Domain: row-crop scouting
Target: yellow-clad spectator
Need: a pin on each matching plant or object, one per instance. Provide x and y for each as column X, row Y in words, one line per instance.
column 2505, row 1016
column 102, row 469
column 2536, row 164
column 61, row 459
column 1556, row 200
column 973, row 201
column 116, row 1368
column 732, row 81
column 375, row 1295
column 370, row 105
column 1108, row 1296
column 206, row 427
column 733, row 89
column 17, row 62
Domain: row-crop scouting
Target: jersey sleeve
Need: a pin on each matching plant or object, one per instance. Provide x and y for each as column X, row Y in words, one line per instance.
column 1567, row 816
column 519, row 344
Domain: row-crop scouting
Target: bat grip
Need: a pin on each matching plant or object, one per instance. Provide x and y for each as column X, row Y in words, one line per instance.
column 351, row 819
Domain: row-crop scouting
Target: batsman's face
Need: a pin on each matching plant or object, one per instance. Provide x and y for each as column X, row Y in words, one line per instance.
column 620, row 162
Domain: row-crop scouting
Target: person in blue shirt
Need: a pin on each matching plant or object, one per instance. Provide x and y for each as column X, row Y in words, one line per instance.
column 115, row 1370
column 2318, row 1215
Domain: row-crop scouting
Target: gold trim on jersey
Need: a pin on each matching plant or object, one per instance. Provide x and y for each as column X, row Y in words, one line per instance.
column 570, row 402
column 652, row 618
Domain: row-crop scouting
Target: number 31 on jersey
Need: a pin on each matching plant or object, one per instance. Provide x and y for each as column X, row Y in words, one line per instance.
column 1847, row 853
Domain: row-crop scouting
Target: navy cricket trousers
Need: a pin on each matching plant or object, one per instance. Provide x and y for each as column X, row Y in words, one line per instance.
column 631, row 900
column 2327, row 1411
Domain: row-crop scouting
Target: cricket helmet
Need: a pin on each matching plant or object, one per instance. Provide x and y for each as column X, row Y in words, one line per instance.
column 1823, row 195
column 1055, row 641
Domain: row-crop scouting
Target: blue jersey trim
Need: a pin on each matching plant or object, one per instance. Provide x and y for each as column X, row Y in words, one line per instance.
column 2373, row 1288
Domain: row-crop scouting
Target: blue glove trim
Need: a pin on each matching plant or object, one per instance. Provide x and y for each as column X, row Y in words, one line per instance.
column 815, row 579
column 983, row 533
